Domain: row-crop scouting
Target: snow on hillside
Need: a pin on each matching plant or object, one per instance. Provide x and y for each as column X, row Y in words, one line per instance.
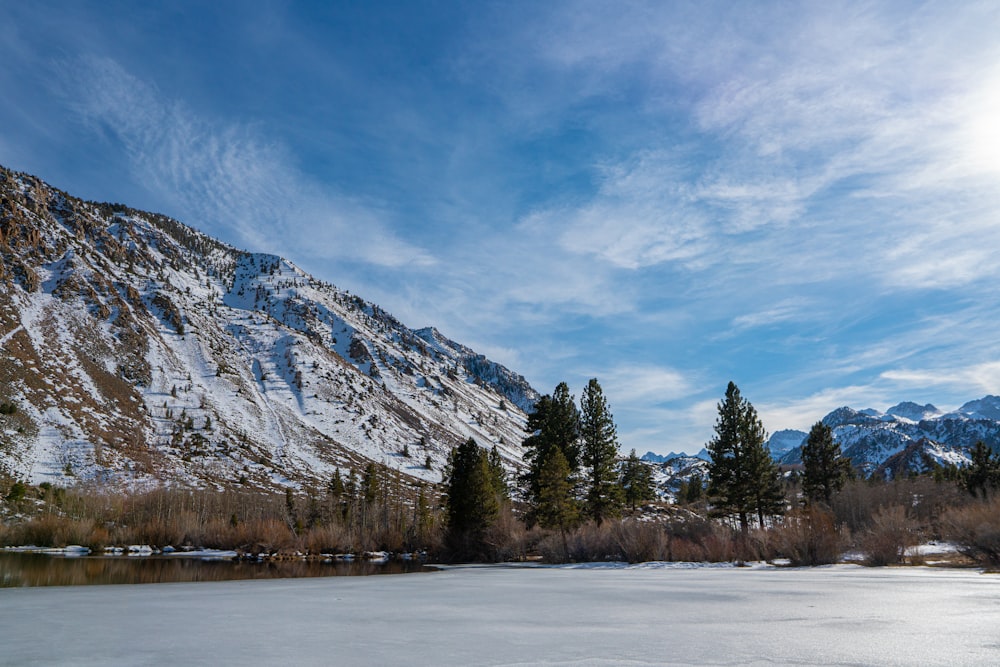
column 142, row 352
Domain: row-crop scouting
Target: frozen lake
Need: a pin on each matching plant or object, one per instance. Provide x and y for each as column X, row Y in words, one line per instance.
column 839, row 615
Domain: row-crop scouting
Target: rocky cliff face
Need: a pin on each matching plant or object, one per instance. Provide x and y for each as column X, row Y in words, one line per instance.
column 138, row 351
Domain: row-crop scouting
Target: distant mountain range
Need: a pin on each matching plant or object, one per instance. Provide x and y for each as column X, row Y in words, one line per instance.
column 906, row 438
column 909, row 437
column 139, row 351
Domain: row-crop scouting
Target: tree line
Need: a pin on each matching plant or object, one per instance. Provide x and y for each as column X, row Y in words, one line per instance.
column 573, row 475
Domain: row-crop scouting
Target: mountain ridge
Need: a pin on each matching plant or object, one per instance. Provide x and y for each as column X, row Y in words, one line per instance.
column 140, row 351
column 911, row 438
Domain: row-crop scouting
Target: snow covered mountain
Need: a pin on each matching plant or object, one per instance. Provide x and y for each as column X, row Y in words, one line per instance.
column 669, row 476
column 653, row 457
column 138, row 351
column 782, row 442
column 910, row 437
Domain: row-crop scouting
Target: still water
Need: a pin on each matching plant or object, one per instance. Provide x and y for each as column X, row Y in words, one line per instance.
column 34, row 569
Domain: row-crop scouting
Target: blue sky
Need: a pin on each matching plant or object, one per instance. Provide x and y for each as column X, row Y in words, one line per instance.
column 803, row 198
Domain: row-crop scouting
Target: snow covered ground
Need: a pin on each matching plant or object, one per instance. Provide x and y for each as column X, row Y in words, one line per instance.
column 838, row 615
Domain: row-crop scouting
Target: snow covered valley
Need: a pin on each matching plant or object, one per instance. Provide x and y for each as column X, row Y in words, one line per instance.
column 508, row 615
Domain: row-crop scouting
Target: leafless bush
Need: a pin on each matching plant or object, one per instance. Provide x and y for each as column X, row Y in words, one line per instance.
column 639, row 541
column 551, row 548
column 885, row 541
column 809, row 537
column 507, row 538
column 925, row 501
column 976, row 530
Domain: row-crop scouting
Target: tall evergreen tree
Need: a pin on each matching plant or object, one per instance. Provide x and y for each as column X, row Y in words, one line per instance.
column 825, row 470
column 472, row 501
column 743, row 479
column 554, row 424
column 636, row 481
column 599, row 453
column 370, row 484
column 556, row 507
column 694, row 489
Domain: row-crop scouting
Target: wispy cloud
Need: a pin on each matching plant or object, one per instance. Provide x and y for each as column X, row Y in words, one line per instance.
column 226, row 174
column 644, row 386
column 983, row 377
column 785, row 311
column 817, row 113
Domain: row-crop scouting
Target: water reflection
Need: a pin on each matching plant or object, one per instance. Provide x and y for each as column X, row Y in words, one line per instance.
column 31, row 569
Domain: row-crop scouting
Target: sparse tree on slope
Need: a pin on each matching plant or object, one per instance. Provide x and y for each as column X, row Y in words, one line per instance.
column 743, row 479
column 600, row 455
column 825, row 470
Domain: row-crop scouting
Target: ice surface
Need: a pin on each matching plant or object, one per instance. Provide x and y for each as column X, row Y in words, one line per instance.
column 835, row 615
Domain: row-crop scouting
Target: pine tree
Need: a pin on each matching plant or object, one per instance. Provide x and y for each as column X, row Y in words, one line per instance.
column 636, row 481
column 472, row 502
column 694, row 490
column 743, row 479
column 336, row 486
column 556, row 507
column 825, row 470
column 554, row 424
column 370, row 486
column 498, row 474
column 599, row 452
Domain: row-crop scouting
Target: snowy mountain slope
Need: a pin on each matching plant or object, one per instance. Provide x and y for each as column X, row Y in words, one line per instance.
column 670, row 475
column 139, row 351
column 782, row 442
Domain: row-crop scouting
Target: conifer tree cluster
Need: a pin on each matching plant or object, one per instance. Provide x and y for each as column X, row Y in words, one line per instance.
column 573, row 470
column 743, row 478
column 476, row 489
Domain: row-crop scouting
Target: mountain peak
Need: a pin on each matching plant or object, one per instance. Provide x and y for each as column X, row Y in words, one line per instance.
column 987, row 407
column 913, row 411
column 143, row 351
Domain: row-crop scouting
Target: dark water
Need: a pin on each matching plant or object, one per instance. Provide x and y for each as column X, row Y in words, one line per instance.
column 28, row 569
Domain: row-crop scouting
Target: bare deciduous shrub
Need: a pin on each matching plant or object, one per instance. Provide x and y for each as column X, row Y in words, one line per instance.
column 808, row 537
column 885, row 541
column 50, row 531
column 976, row 531
column 639, row 541
column 253, row 522
column 925, row 501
